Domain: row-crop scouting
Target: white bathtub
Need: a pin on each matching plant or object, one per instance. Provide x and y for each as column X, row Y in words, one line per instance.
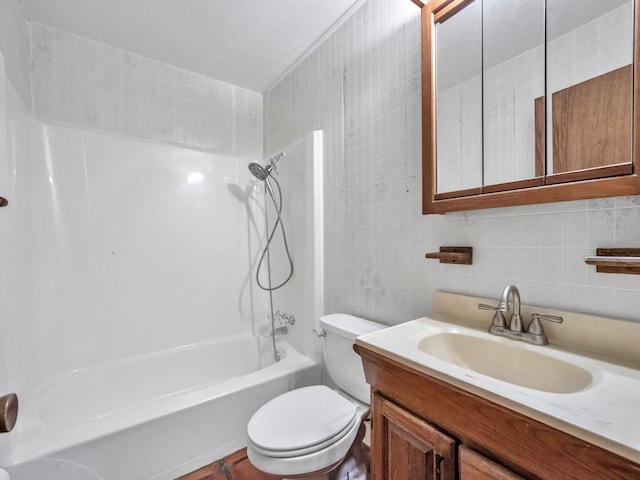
column 156, row 416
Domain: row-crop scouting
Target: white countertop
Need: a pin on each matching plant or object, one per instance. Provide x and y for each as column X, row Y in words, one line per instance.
column 605, row 413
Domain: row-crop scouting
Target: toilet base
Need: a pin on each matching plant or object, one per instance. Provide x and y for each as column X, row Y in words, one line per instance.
column 353, row 466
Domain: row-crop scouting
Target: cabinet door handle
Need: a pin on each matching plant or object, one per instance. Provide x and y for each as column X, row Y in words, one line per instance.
column 439, row 460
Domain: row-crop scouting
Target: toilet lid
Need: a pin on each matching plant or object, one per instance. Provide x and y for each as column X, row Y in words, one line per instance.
column 301, row 418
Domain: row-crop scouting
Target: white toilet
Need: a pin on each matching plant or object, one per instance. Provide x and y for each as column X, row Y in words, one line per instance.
column 307, row 432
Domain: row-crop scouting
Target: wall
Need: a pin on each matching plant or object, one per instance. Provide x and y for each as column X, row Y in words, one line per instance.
column 362, row 87
column 15, row 43
column 114, row 247
column 300, row 178
column 83, row 82
column 65, row 78
column 109, row 247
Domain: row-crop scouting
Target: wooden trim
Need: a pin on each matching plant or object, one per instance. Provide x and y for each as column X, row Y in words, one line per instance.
column 428, row 106
column 458, row 193
column 538, row 107
column 419, row 3
column 437, row 5
column 554, row 189
column 526, row 446
column 473, row 466
column 635, row 129
column 605, row 187
column 518, row 184
column 590, row 173
column 449, row 9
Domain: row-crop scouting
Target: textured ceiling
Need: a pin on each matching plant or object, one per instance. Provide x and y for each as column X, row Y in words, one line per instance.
column 243, row 42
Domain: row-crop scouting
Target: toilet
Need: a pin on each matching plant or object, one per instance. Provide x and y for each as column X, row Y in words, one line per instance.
column 308, row 432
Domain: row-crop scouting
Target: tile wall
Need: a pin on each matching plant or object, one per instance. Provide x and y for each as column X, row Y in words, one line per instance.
column 15, row 46
column 73, row 80
column 82, row 82
column 362, row 87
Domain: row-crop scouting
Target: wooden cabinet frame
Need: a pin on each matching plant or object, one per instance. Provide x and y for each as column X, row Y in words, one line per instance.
column 519, row 443
column 405, row 446
column 573, row 186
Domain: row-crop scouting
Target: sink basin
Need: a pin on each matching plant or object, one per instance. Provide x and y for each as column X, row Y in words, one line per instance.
column 512, row 363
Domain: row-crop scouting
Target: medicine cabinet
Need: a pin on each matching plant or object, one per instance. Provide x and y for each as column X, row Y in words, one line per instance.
column 528, row 101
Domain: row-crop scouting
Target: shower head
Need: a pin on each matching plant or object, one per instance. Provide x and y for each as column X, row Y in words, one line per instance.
column 260, row 172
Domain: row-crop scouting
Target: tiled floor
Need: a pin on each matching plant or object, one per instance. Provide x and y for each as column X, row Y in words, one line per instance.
column 234, row 467
column 237, row 467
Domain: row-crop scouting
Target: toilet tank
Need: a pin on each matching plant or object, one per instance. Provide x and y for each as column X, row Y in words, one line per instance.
column 343, row 364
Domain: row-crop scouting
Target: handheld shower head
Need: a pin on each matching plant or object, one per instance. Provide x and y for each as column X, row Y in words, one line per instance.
column 260, row 172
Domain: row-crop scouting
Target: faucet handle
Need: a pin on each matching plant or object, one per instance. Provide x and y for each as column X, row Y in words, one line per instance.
column 498, row 318
column 484, row 306
column 535, row 327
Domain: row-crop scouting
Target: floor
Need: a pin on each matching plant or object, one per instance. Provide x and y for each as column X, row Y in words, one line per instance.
column 234, row 467
column 237, row 466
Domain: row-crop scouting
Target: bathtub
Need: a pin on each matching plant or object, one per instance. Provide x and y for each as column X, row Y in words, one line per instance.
column 155, row 416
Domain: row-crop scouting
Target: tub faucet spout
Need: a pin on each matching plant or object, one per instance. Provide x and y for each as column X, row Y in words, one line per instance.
column 279, row 331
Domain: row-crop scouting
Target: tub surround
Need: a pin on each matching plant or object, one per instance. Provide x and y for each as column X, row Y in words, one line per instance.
column 602, row 414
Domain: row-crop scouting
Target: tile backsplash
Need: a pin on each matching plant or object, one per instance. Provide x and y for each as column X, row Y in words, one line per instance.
column 362, row 86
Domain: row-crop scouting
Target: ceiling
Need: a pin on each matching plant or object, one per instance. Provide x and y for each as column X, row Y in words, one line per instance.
column 249, row 43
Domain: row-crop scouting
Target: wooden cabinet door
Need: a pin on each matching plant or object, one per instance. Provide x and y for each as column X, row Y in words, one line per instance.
column 405, row 447
column 474, row 466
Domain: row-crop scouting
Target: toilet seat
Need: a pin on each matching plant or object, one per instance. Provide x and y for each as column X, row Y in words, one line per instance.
column 303, row 430
column 301, row 420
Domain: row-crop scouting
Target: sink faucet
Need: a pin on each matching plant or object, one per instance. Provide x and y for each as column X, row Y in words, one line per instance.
column 514, row 330
column 515, row 325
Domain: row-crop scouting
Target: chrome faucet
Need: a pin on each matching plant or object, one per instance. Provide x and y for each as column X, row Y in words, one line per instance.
column 279, row 331
column 514, row 329
column 515, row 325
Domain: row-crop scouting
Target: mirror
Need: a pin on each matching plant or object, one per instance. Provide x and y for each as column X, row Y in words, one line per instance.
column 513, row 77
column 589, row 72
column 459, row 100
column 527, row 101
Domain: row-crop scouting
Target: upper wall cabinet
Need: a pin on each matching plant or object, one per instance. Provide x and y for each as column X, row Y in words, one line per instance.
column 528, row 101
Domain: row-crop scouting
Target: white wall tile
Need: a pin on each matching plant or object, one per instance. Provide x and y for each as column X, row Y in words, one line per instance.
column 16, row 47
column 86, row 83
column 364, row 86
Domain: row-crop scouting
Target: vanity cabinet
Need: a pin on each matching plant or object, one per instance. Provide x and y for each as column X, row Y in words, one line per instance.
column 406, row 447
column 421, row 422
column 474, row 466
